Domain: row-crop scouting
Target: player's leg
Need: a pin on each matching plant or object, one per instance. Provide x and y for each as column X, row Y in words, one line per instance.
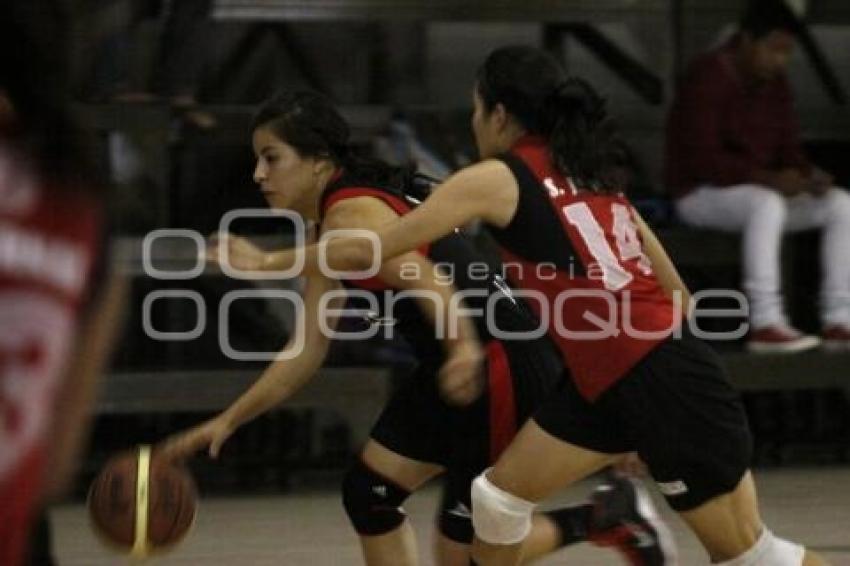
column 544, row 538
column 533, row 467
column 406, row 449
column 693, row 433
column 374, row 490
column 550, row 531
column 453, row 534
column 448, row 552
column 567, row 439
column 555, row 530
column 619, row 516
column 539, row 388
column 731, row 530
column 728, row 525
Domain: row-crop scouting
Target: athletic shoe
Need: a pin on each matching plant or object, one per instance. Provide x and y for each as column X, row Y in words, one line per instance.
column 836, row 338
column 625, row 518
column 780, row 339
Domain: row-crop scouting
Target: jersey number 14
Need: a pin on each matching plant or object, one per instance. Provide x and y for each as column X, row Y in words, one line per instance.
column 616, row 275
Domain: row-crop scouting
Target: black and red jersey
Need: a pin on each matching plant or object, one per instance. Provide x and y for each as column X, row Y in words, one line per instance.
column 511, row 396
column 582, row 253
column 465, row 268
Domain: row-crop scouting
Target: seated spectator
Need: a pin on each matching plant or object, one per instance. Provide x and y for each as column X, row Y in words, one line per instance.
column 735, row 163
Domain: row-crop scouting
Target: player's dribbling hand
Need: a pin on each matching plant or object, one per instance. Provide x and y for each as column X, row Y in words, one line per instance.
column 240, row 252
column 213, row 434
column 462, row 377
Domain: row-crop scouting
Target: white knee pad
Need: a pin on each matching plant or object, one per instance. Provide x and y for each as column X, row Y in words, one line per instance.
column 498, row 516
column 770, row 551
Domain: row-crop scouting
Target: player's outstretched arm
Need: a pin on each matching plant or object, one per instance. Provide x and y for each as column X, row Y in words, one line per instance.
column 486, row 191
column 280, row 381
column 242, row 254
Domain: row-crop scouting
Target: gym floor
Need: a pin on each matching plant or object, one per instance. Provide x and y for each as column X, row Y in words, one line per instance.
column 308, row 527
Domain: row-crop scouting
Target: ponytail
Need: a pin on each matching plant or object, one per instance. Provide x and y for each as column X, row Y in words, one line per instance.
column 535, row 90
column 583, row 139
column 374, row 172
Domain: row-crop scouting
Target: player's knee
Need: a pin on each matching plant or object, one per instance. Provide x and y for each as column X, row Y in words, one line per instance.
column 498, row 516
column 372, row 502
column 770, row 550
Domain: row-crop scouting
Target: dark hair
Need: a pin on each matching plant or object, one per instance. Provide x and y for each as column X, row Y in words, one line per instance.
column 567, row 111
column 310, row 123
column 34, row 67
column 764, row 16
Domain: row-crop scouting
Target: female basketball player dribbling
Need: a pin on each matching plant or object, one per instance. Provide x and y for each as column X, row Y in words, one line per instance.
column 304, row 165
column 548, row 190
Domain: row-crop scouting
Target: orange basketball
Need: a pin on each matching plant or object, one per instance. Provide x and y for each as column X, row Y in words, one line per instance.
column 140, row 504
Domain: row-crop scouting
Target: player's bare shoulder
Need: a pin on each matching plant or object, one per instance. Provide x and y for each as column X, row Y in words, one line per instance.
column 491, row 188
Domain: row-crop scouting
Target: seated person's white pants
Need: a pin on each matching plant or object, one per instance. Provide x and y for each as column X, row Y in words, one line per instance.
column 762, row 215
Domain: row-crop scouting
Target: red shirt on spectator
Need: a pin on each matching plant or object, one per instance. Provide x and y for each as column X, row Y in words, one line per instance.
column 721, row 128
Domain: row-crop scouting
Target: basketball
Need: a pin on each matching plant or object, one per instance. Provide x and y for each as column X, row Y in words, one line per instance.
column 139, row 504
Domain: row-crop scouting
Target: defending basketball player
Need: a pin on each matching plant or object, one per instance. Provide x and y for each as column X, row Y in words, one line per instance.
column 548, row 190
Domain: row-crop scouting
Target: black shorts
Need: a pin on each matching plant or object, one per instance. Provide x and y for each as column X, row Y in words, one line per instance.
column 418, row 423
column 677, row 409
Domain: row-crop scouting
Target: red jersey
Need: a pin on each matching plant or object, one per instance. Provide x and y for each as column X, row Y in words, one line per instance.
column 48, row 242
column 581, row 254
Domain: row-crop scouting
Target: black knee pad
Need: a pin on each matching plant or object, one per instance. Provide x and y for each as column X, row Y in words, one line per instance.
column 455, row 527
column 372, row 502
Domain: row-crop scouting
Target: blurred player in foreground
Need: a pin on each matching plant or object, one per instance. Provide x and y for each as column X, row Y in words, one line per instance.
column 58, row 304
